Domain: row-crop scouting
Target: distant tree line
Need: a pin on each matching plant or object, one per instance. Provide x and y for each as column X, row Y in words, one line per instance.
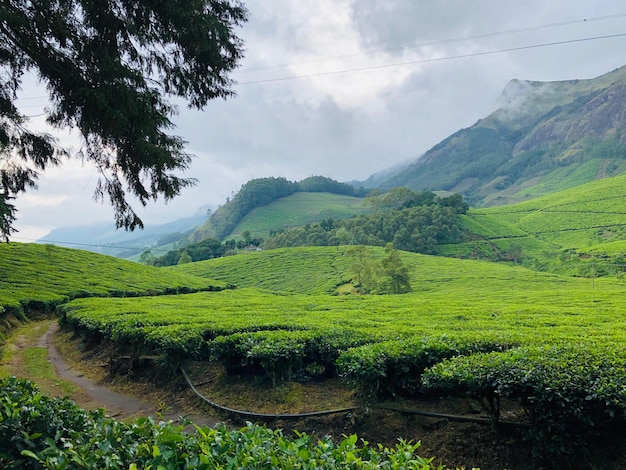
column 416, row 222
column 262, row 191
column 206, row 249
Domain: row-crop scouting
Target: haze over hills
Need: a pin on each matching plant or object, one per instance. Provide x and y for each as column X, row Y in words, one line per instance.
column 106, row 239
column 546, row 137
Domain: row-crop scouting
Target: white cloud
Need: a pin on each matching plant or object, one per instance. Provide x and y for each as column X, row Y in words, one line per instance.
column 349, row 125
column 40, row 201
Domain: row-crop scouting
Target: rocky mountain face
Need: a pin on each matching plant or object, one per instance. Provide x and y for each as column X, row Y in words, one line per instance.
column 547, row 136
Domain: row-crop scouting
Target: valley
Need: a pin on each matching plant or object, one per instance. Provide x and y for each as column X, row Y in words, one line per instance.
column 464, row 309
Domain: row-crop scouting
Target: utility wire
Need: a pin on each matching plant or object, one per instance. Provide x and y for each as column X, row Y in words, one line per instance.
column 440, row 42
column 43, row 240
column 436, row 59
column 36, row 115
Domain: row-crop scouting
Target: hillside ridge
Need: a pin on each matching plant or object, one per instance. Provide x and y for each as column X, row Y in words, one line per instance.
column 569, row 132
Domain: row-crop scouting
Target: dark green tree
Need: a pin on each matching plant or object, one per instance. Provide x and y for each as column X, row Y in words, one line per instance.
column 363, row 269
column 109, row 67
column 146, row 257
column 395, row 274
column 184, row 258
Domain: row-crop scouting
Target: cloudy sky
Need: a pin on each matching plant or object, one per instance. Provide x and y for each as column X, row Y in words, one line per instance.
column 347, row 88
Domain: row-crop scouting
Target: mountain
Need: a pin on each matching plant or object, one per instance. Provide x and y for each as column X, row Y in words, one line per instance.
column 260, row 192
column 546, row 137
column 106, row 239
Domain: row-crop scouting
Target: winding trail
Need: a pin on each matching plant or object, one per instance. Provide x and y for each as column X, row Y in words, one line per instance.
column 118, row 405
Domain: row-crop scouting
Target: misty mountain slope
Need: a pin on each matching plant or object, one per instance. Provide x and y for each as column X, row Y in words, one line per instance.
column 107, row 240
column 548, row 136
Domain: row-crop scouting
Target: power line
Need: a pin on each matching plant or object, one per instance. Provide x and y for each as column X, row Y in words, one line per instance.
column 437, row 59
column 31, row 98
column 36, row 115
column 32, row 106
column 440, row 42
column 91, row 244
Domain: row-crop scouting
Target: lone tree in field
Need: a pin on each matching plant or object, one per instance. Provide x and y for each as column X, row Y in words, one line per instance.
column 396, row 275
column 109, row 66
column 363, row 269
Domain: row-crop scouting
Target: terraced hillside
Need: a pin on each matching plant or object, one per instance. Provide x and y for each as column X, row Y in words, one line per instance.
column 552, row 344
column 41, row 277
column 296, row 210
column 468, row 328
column 304, row 270
column 583, row 224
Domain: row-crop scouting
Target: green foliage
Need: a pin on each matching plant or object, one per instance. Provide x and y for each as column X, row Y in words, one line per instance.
column 255, row 193
column 40, row 277
column 184, row 258
column 38, row 432
column 562, row 232
column 260, row 192
column 363, row 269
column 322, row 184
column 298, row 209
column 108, row 67
column 412, row 222
column 568, row 391
column 459, row 329
column 285, row 354
column 395, row 367
column 456, row 298
column 206, row 249
column 307, row 270
column 395, row 275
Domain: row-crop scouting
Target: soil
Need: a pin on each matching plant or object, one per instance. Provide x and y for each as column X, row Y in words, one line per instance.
column 148, row 391
column 94, row 395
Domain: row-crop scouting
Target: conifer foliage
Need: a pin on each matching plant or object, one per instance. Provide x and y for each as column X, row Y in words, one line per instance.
column 109, row 67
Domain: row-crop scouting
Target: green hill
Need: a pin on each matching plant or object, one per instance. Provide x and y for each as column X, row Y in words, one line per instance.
column 260, row 192
column 304, row 270
column 552, row 341
column 587, row 222
column 296, row 210
column 549, row 136
column 321, row 270
column 39, row 277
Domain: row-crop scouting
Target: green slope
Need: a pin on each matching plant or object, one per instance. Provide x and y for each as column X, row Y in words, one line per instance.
column 585, row 222
column 548, row 136
column 450, row 297
column 445, row 286
column 305, row 270
column 590, row 214
column 319, row 270
column 42, row 276
column 299, row 209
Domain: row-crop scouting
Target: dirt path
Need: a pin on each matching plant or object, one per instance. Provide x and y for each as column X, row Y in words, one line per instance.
column 116, row 404
column 87, row 393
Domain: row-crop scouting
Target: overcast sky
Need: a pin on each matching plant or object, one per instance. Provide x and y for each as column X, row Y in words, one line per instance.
column 347, row 88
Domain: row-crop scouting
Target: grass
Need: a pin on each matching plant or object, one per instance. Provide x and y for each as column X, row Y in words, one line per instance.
column 449, row 296
column 24, row 357
column 299, row 209
column 43, row 276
